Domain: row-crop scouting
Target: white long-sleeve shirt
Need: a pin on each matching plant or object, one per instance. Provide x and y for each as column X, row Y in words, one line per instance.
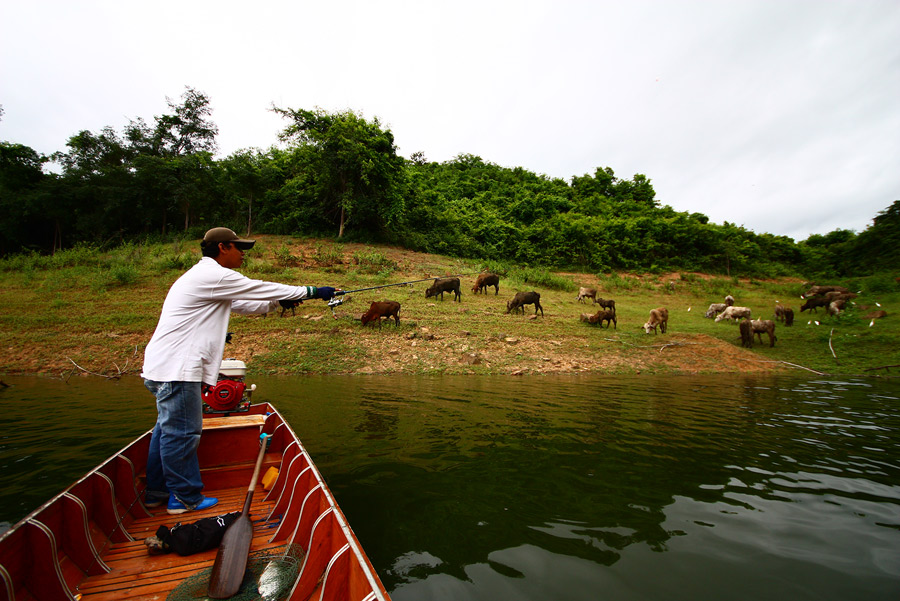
column 189, row 340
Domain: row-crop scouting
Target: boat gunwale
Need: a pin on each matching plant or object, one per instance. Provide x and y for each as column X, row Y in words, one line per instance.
column 376, row 589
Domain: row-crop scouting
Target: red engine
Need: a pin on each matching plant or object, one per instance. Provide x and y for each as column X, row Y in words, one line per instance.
column 230, row 394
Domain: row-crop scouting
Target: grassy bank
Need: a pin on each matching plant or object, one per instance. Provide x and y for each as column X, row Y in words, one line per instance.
column 83, row 311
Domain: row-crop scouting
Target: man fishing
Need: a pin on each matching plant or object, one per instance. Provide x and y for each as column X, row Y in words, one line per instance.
column 184, row 355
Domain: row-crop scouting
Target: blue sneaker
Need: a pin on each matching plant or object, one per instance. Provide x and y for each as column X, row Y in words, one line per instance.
column 175, row 506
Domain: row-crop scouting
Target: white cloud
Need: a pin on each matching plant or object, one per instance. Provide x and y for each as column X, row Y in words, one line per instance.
column 781, row 117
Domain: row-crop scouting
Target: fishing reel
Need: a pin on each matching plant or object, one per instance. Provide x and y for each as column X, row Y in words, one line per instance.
column 336, row 302
column 230, row 394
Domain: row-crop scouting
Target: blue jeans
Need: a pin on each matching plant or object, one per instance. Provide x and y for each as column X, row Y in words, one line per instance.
column 172, row 464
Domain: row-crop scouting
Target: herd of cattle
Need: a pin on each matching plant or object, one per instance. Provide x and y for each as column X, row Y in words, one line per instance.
column 832, row 298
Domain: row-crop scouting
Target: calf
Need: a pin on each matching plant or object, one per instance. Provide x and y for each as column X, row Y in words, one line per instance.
column 715, row 309
column 784, row 314
column 658, row 317
column 729, row 300
column 443, row 285
column 289, row 304
column 759, row 326
column 734, row 313
column 836, row 306
column 379, row 309
column 813, row 303
column 824, row 289
column 484, row 280
column 584, row 293
column 746, row 329
column 600, row 316
column 606, row 303
column 525, row 298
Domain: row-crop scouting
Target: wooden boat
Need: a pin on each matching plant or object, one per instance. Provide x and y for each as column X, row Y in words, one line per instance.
column 86, row 544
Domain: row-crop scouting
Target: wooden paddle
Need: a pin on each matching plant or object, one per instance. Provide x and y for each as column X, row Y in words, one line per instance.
column 231, row 558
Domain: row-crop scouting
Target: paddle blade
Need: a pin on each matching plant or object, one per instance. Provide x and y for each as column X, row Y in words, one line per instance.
column 231, row 559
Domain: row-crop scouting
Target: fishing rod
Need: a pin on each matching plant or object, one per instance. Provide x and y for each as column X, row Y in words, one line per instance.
column 335, row 301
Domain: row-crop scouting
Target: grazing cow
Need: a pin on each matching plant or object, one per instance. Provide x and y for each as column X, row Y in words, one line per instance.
column 715, row 309
column 584, row 293
column 289, row 304
column 734, row 313
column 763, row 325
column 813, row 303
column 784, row 314
column 444, row 285
column 836, row 306
column 823, row 289
column 606, row 303
column 484, row 280
column 658, row 317
column 525, row 298
column 746, row 333
column 600, row 316
column 779, row 312
column 379, row 309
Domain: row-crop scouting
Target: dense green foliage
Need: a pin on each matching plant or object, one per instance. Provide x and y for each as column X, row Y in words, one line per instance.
column 340, row 175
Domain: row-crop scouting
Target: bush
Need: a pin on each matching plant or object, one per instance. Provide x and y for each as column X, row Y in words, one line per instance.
column 372, row 261
column 285, row 258
column 328, row 255
column 78, row 255
column 542, row 277
column 617, row 283
column 881, row 283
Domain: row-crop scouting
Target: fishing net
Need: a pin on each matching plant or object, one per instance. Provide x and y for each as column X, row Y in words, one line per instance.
column 269, row 577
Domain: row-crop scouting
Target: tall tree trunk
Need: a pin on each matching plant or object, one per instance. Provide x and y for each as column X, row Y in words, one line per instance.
column 250, row 216
column 341, row 200
column 57, row 236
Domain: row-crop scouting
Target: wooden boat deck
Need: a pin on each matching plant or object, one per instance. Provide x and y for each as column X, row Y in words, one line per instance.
column 134, row 574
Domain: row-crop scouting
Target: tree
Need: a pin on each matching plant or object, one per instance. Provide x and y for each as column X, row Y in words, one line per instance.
column 188, row 130
column 97, row 180
column 21, row 175
column 877, row 248
column 358, row 174
column 246, row 173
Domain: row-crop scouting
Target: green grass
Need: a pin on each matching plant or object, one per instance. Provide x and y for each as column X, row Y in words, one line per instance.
column 100, row 305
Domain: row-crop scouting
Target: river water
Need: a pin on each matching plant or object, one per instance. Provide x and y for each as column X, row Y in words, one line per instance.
column 554, row 487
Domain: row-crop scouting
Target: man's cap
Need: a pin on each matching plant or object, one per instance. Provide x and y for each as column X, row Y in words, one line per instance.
column 223, row 234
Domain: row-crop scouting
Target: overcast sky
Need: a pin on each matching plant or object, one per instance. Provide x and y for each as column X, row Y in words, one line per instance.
column 782, row 116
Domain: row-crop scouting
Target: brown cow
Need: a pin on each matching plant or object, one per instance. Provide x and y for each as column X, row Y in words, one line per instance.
column 600, row 316
column 658, row 317
column 584, row 293
column 442, row 285
column 484, row 280
column 813, row 303
column 763, row 325
column 380, row 309
column 746, row 329
column 606, row 303
column 525, row 298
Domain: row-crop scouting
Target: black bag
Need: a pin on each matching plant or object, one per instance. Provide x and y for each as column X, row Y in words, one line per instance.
column 187, row 539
